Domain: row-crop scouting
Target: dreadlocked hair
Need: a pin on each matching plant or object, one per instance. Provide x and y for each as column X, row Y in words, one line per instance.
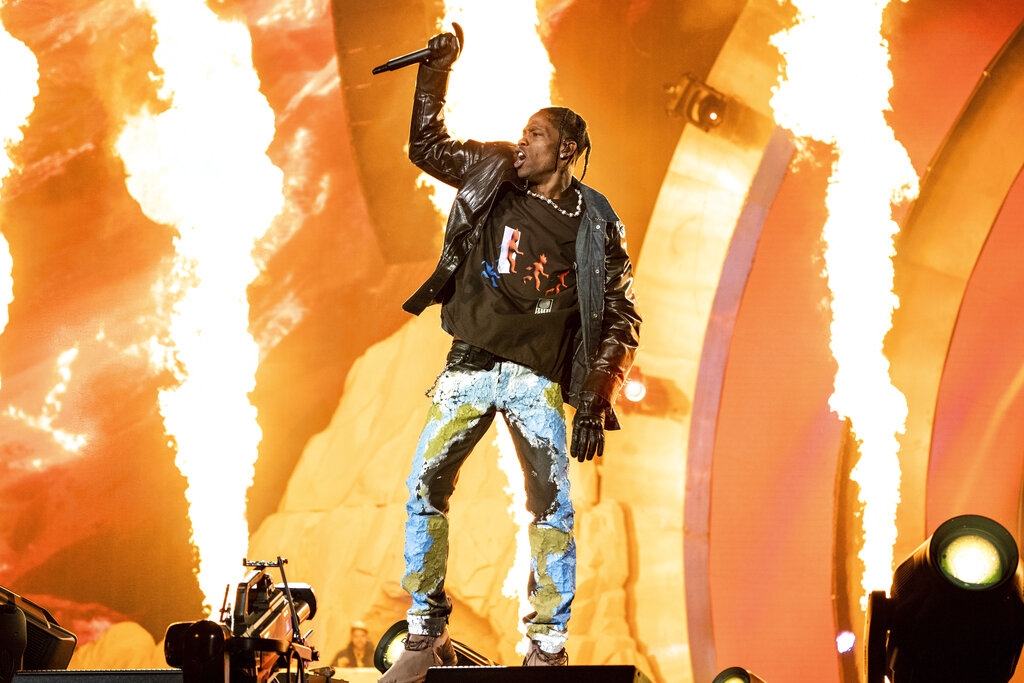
column 571, row 126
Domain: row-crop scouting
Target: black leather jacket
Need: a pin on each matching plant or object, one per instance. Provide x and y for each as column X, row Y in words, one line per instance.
column 610, row 327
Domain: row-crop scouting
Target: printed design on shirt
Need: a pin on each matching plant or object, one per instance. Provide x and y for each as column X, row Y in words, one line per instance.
column 557, row 280
column 509, row 250
column 560, row 285
column 535, row 274
column 490, row 273
column 538, row 271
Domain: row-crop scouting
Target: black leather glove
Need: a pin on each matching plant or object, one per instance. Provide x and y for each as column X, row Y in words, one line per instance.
column 588, row 427
column 447, row 47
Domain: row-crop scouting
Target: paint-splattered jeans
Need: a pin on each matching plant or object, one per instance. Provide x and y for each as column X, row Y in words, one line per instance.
column 464, row 406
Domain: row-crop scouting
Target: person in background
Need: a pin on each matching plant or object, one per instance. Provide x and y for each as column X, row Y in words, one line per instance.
column 358, row 653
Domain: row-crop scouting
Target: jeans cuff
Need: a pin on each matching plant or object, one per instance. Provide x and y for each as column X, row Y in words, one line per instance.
column 420, row 625
column 547, row 639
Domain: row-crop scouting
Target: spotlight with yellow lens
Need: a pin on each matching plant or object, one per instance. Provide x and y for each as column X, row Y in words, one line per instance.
column 955, row 611
column 736, row 674
column 972, row 562
column 392, row 645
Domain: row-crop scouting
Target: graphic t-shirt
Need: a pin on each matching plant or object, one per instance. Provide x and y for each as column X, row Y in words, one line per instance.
column 515, row 293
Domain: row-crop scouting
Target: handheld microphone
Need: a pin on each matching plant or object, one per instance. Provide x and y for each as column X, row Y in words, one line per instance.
column 417, row 56
column 405, row 60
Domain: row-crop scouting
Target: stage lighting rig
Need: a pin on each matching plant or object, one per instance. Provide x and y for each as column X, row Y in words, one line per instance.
column 955, row 611
column 737, row 674
column 256, row 641
column 697, row 102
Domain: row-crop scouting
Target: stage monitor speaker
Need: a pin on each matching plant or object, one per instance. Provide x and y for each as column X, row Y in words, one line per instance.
column 536, row 674
column 13, row 638
column 48, row 646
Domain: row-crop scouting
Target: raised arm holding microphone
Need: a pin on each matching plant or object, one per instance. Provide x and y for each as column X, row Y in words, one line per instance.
column 535, row 287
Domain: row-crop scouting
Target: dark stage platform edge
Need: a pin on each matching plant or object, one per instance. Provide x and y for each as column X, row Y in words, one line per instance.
column 100, row 676
column 450, row 674
column 537, row 674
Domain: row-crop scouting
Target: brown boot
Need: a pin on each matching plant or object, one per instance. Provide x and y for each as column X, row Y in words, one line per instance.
column 538, row 657
column 421, row 653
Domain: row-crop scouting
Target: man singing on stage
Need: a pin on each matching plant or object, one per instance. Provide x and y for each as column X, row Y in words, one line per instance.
column 557, row 324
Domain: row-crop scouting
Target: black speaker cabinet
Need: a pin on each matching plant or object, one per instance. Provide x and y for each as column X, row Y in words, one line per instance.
column 45, row 644
column 536, row 674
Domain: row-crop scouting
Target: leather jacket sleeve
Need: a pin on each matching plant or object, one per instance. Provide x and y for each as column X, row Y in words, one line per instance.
column 620, row 328
column 431, row 148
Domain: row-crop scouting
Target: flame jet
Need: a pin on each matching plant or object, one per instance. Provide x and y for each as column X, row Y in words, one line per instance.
column 200, row 165
column 515, row 583
column 835, row 89
column 19, row 82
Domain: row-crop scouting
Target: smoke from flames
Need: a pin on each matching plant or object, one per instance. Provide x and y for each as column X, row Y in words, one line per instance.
column 201, row 166
column 44, row 422
column 835, row 89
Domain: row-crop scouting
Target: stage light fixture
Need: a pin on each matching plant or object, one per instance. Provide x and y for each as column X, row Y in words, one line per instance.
column 697, row 102
column 845, row 642
column 955, row 610
column 392, row 644
column 634, row 389
column 258, row 639
column 737, row 674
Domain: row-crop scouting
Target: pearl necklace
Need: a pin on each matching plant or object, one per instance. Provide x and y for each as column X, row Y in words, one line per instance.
column 556, row 207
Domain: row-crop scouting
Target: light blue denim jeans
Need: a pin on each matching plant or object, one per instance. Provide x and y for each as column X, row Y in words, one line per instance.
column 463, row 408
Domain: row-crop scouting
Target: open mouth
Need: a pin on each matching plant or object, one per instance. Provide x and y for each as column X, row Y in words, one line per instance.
column 520, row 158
